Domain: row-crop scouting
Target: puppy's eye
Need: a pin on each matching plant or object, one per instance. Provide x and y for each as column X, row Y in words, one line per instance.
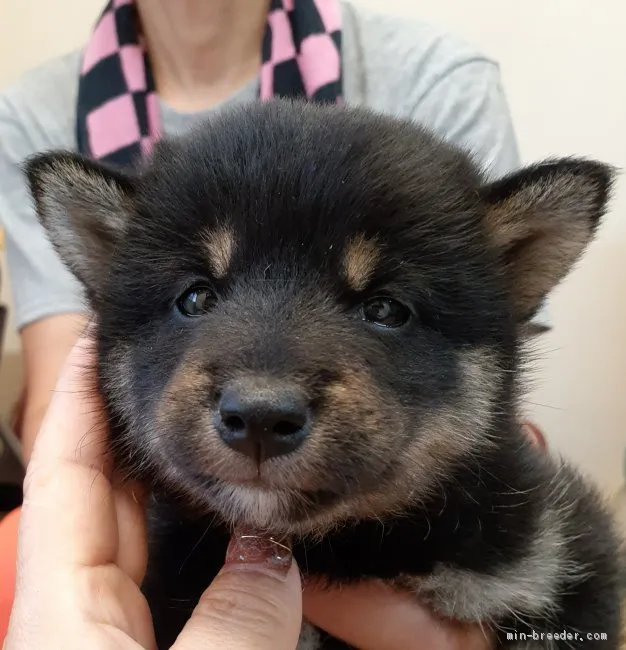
column 196, row 301
column 385, row 312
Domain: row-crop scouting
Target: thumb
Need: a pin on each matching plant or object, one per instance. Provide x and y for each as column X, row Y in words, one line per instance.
column 254, row 603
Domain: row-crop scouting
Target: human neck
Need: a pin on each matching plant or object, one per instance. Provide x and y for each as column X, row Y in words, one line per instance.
column 201, row 51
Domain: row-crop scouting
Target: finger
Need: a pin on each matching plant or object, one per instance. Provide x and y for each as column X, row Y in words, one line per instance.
column 74, row 427
column 374, row 616
column 253, row 604
column 68, row 502
column 132, row 553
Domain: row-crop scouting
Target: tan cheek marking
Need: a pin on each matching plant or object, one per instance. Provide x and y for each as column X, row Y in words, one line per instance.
column 188, row 383
column 220, row 245
column 359, row 262
column 356, row 397
column 352, row 404
column 352, row 399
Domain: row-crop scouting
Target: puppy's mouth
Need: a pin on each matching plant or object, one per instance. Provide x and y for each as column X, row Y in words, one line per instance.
column 314, row 497
column 319, row 498
column 256, row 502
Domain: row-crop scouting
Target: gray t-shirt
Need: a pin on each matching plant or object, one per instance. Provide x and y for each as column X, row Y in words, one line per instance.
column 389, row 64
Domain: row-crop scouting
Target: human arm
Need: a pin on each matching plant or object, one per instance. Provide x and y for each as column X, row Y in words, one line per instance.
column 47, row 302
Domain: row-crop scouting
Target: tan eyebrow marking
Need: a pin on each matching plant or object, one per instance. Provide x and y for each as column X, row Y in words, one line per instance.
column 220, row 245
column 359, row 261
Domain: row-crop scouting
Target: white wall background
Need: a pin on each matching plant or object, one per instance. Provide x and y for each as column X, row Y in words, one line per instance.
column 563, row 67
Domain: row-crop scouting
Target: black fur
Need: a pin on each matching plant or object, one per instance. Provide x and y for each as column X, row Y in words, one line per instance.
column 292, row 185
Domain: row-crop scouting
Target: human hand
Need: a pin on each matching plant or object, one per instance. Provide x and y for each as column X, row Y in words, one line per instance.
column 82, row 551
column 377, row 617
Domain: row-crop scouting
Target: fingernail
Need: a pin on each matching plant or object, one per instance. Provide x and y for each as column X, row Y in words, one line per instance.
column 259, row 551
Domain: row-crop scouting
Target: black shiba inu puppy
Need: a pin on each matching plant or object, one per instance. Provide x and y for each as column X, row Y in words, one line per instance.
column 310, row 322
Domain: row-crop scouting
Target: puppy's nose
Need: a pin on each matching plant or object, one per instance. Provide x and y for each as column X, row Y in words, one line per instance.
column 262, row 423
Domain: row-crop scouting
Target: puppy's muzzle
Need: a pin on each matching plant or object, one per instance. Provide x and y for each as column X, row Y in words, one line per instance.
column 262, row 418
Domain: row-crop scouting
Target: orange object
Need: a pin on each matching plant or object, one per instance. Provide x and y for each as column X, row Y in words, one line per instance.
column 8, row 558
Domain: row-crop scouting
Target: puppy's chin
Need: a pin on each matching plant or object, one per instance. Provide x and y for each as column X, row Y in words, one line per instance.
column 275, row 510
column 253, row 506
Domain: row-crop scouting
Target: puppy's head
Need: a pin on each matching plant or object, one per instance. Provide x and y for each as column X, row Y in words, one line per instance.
column 311, row 313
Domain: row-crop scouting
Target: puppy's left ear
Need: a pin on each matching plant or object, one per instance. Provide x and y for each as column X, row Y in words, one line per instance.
column 84, row 208
column 540, row 220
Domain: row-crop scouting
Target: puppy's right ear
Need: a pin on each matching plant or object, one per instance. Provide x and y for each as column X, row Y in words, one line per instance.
column 84, row 208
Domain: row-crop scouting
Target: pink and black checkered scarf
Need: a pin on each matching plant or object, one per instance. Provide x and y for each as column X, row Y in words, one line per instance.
column 117, row 117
